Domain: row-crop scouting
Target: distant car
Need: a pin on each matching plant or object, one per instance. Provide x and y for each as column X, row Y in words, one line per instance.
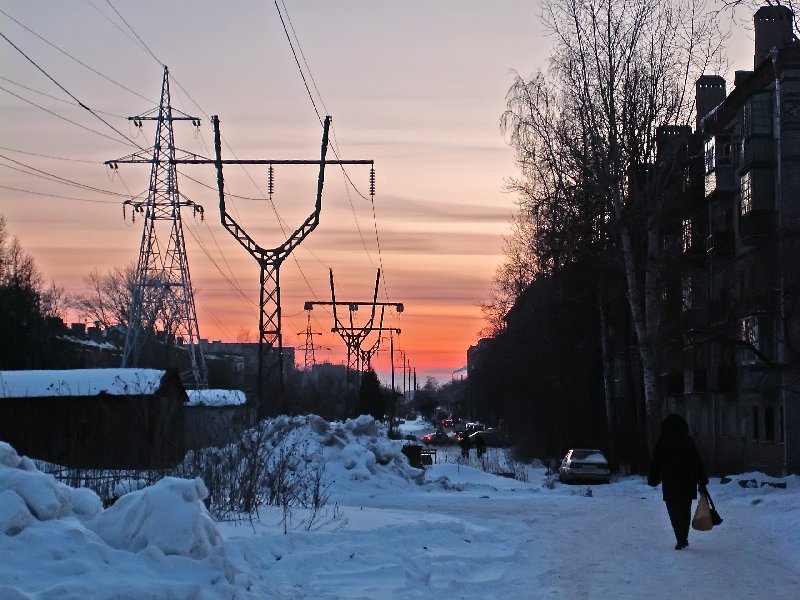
column 584, row 464
column 437, row 439
column 492, row 438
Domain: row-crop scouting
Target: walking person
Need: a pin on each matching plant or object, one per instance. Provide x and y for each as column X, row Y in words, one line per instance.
column 465, row 447
column 676, row 465
column 480, row 445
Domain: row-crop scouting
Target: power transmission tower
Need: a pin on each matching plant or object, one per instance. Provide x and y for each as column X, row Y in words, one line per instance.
column 354, row 336
column 270, row 338
column 162, row 296
column 309, row 359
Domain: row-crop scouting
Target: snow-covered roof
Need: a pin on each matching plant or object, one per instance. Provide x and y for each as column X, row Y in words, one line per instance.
column 79, row 382
column 89, row 343
column 215, row 397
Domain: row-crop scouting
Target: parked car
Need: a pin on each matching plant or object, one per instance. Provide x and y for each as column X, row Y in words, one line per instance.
column 492, row 438
column 437, row 439
column 583, row 464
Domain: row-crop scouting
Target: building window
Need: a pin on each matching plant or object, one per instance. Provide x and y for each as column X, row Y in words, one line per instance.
column 750, row 332
column 757, row 117
column 747, row 193
column 710, row 156
column 687, row 235
column 686, row 292
column 755, row 423
column 769, row 424
column 724, row 156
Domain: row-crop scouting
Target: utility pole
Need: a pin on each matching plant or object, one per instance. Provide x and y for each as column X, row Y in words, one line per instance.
column 270, row 338
column 354, row 335
column 403, row 358
column 391, row 351
column 162, row 294
column 393, row 405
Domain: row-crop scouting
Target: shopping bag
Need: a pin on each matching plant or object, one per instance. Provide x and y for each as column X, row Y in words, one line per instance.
column 702, row 515
column 715, row 518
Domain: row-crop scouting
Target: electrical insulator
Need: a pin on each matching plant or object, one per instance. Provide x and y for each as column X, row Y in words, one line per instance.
column 372, row 181
column 270, row 181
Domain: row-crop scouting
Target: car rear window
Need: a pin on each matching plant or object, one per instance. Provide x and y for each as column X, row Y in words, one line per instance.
column 588, row 455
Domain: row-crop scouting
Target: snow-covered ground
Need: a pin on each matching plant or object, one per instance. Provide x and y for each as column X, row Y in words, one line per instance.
column 390, row 531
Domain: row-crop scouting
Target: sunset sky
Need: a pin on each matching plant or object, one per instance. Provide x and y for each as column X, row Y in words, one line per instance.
column 417, row 85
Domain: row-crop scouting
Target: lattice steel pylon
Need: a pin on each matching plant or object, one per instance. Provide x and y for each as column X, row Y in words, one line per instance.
column 310, row 359
column 162, row 297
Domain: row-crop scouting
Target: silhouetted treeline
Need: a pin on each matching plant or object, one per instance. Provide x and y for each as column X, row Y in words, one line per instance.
column 542, row 377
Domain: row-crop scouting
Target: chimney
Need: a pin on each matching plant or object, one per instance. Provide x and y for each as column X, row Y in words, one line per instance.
column 709, row 92
column 773, row 29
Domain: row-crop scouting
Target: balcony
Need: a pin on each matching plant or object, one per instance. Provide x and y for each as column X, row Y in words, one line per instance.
column 756, row 225
column 720, row 244
column 721, row 183
column 757, row 152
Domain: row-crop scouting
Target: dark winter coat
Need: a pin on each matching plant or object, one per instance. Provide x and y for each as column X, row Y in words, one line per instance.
column 675, row 464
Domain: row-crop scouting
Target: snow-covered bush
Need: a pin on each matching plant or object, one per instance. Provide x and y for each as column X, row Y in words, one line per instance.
column 291, row 462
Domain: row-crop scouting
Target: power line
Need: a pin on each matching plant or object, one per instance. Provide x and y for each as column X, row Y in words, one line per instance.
column 297, row 61
column 57, row 178
column 62, row 117
column 30, row 89
column 6, row 187
column 80, row 62
column 141, row 41
column 335, row 145
column 280, row 221
column 91, row 162
column 81, row 104
column 116, row 25
column 231, row 283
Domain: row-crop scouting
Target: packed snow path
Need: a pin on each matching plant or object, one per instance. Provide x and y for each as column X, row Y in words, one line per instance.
column 491, row 537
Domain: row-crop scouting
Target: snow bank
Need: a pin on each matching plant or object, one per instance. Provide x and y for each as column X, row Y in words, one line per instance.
column 357, row 449
column 169, row 516
column 28, row 496
column 158, row 542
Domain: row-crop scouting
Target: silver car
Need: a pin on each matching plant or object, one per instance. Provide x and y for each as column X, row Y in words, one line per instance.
column 583, row 464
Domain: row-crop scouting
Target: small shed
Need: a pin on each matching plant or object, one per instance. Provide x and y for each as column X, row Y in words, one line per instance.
column 216, row 417
column 95, row 418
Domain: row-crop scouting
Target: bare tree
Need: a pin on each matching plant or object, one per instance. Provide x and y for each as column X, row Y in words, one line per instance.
column 587, row 135
column 108, row 298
